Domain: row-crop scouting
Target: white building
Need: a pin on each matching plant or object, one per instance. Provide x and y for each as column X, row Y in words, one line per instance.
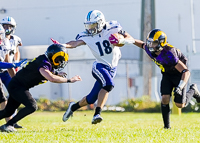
column 39, row 20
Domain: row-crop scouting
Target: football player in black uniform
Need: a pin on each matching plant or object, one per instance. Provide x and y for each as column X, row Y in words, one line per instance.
column 175, row 73
column 39, row 70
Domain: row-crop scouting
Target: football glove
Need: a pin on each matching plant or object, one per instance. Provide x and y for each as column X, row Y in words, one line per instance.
column 177, row 91
column 54, row 41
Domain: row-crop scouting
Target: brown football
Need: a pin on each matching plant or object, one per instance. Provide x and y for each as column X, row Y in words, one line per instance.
column 118, row 36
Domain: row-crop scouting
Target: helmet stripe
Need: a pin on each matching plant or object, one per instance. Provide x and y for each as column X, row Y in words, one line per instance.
column 153, row 32
column 157, row 35
column 88, row 16
column 61, row 53
column 9, row 19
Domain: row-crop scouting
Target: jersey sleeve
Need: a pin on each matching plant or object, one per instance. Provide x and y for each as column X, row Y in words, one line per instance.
column 46, row 65
column 81, row 35
column 181, row 56
column 18, row 40
column 113, row 26
column 172, row 56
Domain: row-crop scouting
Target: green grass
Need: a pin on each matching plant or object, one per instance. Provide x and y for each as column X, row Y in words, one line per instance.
column 48, row 127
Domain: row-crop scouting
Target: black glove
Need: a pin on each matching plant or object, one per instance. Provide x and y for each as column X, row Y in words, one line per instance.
column 177, row 91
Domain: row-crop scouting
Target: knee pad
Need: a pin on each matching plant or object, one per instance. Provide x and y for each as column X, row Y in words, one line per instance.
column 90, row 100
column 108, row 87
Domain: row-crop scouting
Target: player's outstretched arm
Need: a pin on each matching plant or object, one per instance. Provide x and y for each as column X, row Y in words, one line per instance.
column 5, row 65
column 70, row 44
column 57, row 78
column 74, row 79
column 125, row 38
column 118, row 39
column 139, row 43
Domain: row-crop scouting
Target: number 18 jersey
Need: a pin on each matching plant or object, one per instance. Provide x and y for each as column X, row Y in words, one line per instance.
column 101, row 48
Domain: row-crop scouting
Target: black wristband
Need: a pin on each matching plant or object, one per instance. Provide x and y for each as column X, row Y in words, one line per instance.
column 142, row 45
column 69, row 80
column 185, row 70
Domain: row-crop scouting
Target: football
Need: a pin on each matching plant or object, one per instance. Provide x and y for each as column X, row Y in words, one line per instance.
column 118, row 36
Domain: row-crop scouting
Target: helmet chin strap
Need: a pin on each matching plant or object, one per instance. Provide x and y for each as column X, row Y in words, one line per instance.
column 159, row 48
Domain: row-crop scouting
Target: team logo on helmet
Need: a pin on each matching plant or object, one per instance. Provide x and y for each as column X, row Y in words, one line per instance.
column 57, row 55
column 9, row 21
column 94, row 22
column 156, row 40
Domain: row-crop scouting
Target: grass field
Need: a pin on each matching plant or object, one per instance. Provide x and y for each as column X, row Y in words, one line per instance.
column 48, row 127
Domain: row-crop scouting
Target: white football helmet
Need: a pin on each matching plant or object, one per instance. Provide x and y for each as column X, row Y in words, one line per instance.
column 94, row 22
column 9, row 21
column 2, row 34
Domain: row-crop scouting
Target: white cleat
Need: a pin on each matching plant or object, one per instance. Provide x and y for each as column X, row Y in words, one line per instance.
column 97, row 119
column 69, row 112
column 196, row 92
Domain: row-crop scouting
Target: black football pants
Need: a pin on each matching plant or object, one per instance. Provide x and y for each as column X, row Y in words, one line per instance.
column 18, row 95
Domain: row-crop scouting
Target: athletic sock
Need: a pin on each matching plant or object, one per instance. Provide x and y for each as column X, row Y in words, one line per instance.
column 97, row 111
column 165, row 114
column 75, row 107
column 189, row 96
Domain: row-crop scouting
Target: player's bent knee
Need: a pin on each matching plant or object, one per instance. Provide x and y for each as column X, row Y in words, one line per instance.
column 90, row 101
column 165, row 99
column 108, row 88
column 32, row 108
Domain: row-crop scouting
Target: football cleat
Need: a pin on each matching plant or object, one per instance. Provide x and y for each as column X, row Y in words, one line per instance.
column 196, row 92
column 167, row 127
column 16, row 126
column 97, row 119
column 69, row 112
column 7, row 128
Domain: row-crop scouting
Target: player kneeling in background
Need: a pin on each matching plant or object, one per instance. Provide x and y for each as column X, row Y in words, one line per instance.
column 39, row 70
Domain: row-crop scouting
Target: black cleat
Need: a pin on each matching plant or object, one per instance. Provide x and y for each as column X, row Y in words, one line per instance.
column 167, row 128
column 196, row 92
column 16, row 126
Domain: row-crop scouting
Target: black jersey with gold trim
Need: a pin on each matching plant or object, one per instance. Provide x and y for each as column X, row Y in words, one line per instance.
column 29, row 76
column 168, row 58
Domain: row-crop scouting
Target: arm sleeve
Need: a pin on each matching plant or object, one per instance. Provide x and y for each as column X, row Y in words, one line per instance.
column 4, row 65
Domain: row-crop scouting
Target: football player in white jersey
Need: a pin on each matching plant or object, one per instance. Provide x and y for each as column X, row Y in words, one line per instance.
column 9, row 25
column 4, row 56
column 98, row 37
